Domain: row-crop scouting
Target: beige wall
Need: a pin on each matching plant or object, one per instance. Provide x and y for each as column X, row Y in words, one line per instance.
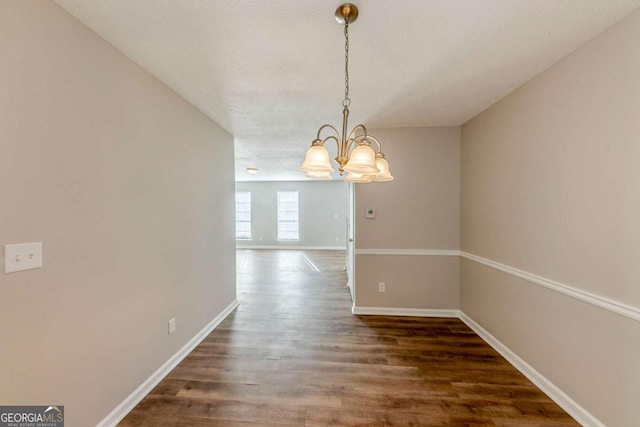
column 129, row 188
column 419, row 210
column 412, row 281
column 551, row 186
column 323, row 210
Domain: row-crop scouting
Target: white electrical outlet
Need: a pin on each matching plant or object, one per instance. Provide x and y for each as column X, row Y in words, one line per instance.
column 172, row 326
column 381, row 287
column 22, row 256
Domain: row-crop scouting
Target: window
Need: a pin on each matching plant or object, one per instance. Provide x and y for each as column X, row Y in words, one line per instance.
column 243, row 215
column 288, row 226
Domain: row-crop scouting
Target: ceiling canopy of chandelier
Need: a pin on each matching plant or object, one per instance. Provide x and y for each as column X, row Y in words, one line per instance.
column 355, row 153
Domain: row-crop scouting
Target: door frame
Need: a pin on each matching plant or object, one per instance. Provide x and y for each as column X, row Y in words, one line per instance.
column 351, row 243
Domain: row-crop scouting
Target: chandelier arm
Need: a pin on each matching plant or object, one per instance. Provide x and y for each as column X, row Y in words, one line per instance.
column 330, row 127
column 352, row 141
column 335, row 139
column 374, row 139
column 355, row 129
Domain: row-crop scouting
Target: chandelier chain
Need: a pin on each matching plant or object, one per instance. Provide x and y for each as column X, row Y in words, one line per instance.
column 346, row 102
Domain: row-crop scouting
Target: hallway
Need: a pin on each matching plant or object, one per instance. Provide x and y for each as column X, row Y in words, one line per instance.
column 292, row 354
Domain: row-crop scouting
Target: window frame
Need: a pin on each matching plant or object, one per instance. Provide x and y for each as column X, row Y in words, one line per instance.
column 296, row 221
column 249, row 211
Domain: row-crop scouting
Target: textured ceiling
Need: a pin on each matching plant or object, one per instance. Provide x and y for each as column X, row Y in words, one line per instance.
column 270, row 72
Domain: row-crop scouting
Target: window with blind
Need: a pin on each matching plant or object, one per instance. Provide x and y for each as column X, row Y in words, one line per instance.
column 288, row 226
column 243, row 215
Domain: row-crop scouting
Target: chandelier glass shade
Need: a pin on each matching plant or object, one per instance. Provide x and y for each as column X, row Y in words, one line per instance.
column 355, row 155
column 317, row 160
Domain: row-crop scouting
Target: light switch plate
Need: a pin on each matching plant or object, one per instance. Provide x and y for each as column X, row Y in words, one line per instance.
column 22, row 256
column 370, row 213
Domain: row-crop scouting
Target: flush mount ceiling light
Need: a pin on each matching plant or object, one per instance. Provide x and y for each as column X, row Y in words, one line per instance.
column 252, row 171
column 355, row 154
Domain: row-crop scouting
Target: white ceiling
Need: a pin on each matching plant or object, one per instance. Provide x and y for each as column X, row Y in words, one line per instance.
column 271, row 72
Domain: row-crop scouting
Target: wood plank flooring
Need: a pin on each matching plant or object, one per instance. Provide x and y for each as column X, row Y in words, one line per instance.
column 293, row 354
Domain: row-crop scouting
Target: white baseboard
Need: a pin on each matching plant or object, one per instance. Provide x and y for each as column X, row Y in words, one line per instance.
column 418, row 312
column 579, row 413
column 145, row 388
column 296, row 248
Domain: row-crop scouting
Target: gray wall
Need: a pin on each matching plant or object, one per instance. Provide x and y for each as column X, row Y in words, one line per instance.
column 551, row 186
column 323, row 209
column 130, row 189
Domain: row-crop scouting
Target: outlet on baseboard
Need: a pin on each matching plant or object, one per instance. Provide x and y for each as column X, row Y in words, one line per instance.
column 382, row 287
column 172, row 326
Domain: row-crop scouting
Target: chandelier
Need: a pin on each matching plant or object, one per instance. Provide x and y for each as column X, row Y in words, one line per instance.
column 355, row 154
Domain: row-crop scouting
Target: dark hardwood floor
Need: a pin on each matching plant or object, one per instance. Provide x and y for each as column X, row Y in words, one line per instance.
column 293, row 354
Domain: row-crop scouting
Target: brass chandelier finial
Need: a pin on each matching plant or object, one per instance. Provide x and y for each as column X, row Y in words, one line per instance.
column 363, row 164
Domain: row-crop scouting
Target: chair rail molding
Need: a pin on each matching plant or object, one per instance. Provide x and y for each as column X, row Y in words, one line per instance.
column 427, row 252
column 584, row 296
column 562, row 288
